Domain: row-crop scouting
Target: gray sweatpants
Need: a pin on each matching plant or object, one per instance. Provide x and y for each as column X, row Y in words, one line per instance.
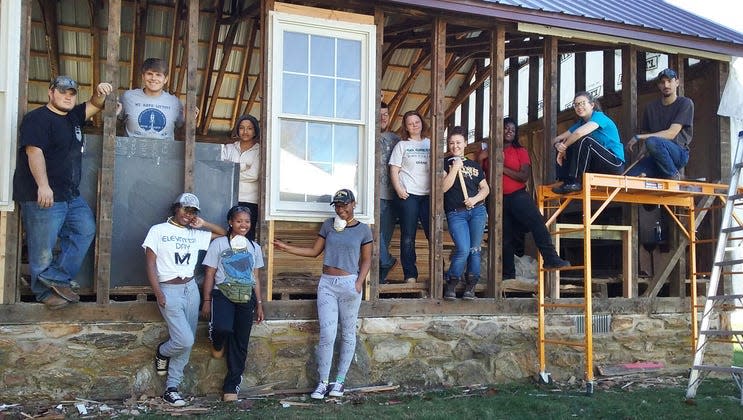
column 336, row 299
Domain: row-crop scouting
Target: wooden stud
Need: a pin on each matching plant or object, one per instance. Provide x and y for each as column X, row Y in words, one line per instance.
column 191, row 85
column 415, row 70
column 243, row 83
column 227, row 44
column 495, row 156
column 550, row 99
column 580, row 72
column 609, row 70
column 140, row 40
column 533, row 94
column 381, row 166
column 49, row 15
column 209, row 67
column 513, row 88
column 480, row 99
column 438, row 142
column 104, row 229
column 174, row 40
column 266, row 228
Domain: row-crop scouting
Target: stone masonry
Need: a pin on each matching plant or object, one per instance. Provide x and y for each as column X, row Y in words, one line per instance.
column 104, row 361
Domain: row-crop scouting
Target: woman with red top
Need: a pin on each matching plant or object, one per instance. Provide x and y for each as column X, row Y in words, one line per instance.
column 520, row 213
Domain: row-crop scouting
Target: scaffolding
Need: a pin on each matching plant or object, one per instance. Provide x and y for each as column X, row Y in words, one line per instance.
column 686, row 202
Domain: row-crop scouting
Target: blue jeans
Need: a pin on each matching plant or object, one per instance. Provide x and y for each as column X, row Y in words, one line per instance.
column 387, row 219
column 181, row 313
column 411, row 210
column 665, row 158
column 466, row 228
column 71, row 222
column 337, row 299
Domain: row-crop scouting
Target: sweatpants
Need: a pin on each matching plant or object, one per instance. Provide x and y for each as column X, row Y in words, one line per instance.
column 181, row 313
column 337, row 299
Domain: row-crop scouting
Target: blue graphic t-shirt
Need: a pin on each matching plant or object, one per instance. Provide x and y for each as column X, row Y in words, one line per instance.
column 153, row 117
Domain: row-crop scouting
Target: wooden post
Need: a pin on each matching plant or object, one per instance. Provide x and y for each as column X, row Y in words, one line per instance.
column 513, row 89
column 580, row 72
column 380, row 166
column 191, row 83
column 533, row 94
column 140, row 39
column 629, row 128
column 104, row 230
column 479, row 103
column 550, row 101
column 495, row 156
column 438, row 116
column 266, row 228
column 609, row 68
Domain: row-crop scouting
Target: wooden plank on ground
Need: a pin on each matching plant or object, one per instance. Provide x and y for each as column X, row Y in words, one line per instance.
column 630, row 368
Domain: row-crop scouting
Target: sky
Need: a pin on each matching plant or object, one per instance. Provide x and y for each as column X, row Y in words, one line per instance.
column 723, row 12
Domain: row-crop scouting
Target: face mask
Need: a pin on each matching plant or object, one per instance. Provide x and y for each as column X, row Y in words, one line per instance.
column 339, row 224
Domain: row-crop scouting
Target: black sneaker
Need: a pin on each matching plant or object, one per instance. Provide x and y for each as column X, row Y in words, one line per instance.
column 172, row 397
column 161, row 362
column 556, row 263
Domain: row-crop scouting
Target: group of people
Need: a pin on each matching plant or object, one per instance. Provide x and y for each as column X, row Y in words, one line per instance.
column 46, row 186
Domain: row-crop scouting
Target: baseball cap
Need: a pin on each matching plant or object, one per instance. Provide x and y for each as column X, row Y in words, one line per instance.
column 343, row 196
column 669, row 73
column 187, row 200
column 63, row 84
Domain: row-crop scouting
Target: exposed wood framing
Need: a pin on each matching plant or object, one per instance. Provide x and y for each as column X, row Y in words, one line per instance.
column 104, row 230
column 495, row 156
column 580, row 72
column 388, row 53
column 49, row 15
column 438, row 117
column 243, row 84
column 266, row 229
column 175, row 37
column 513, row 88
column 191, row 84
column 203, row 96
column 415, row 70
column 629, row 125
column 609, row 68
column 480, row 102
column 380, row 166
column 257, row 85
column 482, row 75
column 453, row 66
column 227, row 45
column 550, row 99
column 533, row 94
column 95, row 36
column 140, row 40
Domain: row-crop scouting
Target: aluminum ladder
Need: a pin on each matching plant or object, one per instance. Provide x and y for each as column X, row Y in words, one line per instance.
column 730, row 232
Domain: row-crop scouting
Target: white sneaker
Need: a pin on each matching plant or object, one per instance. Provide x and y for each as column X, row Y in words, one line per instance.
column 172, row 397
column 337, row 389
column 320, row 391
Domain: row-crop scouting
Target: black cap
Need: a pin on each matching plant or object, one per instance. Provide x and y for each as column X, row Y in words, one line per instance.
column 343, row 196
column 63, row 84
column 668, row 73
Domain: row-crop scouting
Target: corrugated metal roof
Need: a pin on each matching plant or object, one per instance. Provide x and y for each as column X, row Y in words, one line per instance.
column 648, row 14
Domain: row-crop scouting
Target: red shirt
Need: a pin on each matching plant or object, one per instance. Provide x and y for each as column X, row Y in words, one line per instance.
column 514, row 158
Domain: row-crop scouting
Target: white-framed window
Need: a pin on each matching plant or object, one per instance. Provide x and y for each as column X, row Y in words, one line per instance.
column 10, row 38
column 321, row 108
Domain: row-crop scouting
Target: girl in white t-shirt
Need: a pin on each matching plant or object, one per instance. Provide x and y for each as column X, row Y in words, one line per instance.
column 411, row 178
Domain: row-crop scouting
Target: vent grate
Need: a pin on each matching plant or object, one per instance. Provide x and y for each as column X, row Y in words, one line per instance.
column 601, row 324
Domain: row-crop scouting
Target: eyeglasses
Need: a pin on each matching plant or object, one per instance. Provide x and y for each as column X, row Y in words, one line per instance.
column 581, row 104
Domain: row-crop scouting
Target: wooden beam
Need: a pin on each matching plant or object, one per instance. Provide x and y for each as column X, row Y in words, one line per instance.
column 51, row 31
column 140, row 40
column 203, row 96
column 580, row 72
column 480, row 101
column 495, row 156
column 482, row 76
column 174, row 40
column 104, row 229
column 513, row 88
column 609, row 70
column 550, row 101
column 191, row 86
column 629, row 128
column 95, row 68
column 243, row 83
column 455, row 63
column 257, row 86
column 227, row 44
column 267, row 275
column 415, row 70
column 438, row 117
column 388, row 53
column 533, row 94
column 380, row 166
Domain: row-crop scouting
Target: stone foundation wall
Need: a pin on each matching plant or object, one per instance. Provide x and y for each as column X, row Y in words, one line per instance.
column 115, row 360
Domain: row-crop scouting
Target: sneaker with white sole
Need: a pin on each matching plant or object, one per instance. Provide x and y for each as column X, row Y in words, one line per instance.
column 172, row 397
column 161, row 362
column 337, row 389
column 320, row 391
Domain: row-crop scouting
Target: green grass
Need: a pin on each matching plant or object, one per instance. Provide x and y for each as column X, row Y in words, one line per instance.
column 716, row 398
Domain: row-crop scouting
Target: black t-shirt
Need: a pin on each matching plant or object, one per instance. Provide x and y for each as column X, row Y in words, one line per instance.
column 473, row 174
column 60, row 137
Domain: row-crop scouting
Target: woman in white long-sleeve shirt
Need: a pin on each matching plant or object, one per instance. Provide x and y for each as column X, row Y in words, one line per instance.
column 247, row 152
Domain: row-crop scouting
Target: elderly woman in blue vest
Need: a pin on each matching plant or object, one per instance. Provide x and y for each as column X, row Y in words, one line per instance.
column 465, row 190
column 347, row 247
column 592, row 144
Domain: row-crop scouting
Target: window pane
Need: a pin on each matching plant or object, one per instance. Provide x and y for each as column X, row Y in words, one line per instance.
column 293, row 138
column 349, row 100
column 294, row 96
column 295, row 52
column 349, row 59
column 321, row 96
column 346, row 144
column 320, row 142
column 322, row 55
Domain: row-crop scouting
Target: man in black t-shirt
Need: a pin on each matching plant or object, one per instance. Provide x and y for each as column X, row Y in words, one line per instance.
column 667, row 126
column 45, row 185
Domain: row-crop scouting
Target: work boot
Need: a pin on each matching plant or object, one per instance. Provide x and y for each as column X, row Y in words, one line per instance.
column 451, row 287
column 469, row 289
